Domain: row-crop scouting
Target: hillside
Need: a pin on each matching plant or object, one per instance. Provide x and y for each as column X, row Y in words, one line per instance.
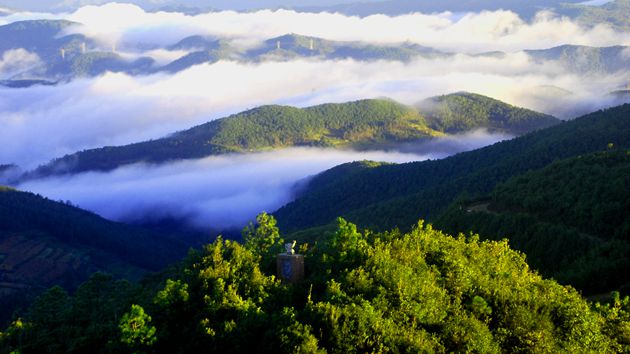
column 363, row 292
column 464, row 111
column 63, row 57
column 584, row 59
column 614, row 13
column 396, row 195
column 45, row 243
column 364, row 124
column 570, row 218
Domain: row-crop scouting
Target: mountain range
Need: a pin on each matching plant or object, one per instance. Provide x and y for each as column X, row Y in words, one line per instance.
column 66, row 56
column 366, row 124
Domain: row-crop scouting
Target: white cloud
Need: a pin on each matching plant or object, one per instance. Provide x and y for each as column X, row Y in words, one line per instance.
column 472, row 32
column 15, row 61
column 118, row 109
column 216, row 192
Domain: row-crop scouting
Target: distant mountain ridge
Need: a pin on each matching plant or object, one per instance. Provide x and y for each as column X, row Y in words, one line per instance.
column 65, row 57
column 364, row 124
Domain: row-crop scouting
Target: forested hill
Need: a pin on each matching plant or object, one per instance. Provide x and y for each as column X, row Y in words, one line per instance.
column 396, row 195
column 464, row 111
column 364, row 124
column 571, row 219
column 43, row 242
column 362, row 292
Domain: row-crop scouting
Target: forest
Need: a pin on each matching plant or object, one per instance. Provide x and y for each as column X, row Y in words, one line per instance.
column 364, row 291
column 388, row 196
column 363, row 124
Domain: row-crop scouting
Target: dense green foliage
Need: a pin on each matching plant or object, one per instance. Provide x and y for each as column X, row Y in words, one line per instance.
column 423, row 291
column 364, row 124
column 570, row 218
column 395, row 195
column 463, row 111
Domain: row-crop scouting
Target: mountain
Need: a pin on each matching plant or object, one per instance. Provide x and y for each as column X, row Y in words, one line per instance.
column 202, row 50
column 361, row 292
column 294, row 45
column 25, row 83
column 463, row 111
column 614, row 13
column 396, row 195
column 64, row 56
column 570, row 218
column 584, row 59
column 364, row 124
column 45, row 243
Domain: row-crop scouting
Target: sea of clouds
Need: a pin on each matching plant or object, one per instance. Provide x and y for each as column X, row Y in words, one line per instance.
column 43, row 122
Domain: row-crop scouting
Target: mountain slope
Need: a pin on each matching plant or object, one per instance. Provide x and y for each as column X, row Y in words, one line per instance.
column 585, row 60
column 45, row 243
column 364, row 124
column 570, row 218
column 464, row 111
column 396, row 195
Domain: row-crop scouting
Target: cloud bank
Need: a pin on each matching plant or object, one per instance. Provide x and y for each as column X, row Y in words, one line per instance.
column 15, row 61
column 216, row 192
column 117, row 109
column 472, row 32
column 43, row 122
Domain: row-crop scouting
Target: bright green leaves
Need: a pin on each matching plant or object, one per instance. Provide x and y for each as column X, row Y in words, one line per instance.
column 264, row 240
column 135, row 328
column 363, row 292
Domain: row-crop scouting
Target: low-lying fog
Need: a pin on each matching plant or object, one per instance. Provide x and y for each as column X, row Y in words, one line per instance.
column 226, row 191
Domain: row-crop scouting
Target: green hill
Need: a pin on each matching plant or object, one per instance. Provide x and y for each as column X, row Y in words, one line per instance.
column 364, row 124
column 463, row 111
column 45, row 243
column 570, row 218
column 396, row 195
column 363, row 292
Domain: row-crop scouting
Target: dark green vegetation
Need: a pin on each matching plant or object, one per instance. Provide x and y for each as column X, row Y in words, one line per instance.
column 365, row 124
column 423, row 291
column 45, row 243
column 395, row 195
column 463, row 111
column 571, row 219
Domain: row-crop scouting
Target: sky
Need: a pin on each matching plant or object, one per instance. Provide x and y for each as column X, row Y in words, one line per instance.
column 64, row 5
column 43, row 122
